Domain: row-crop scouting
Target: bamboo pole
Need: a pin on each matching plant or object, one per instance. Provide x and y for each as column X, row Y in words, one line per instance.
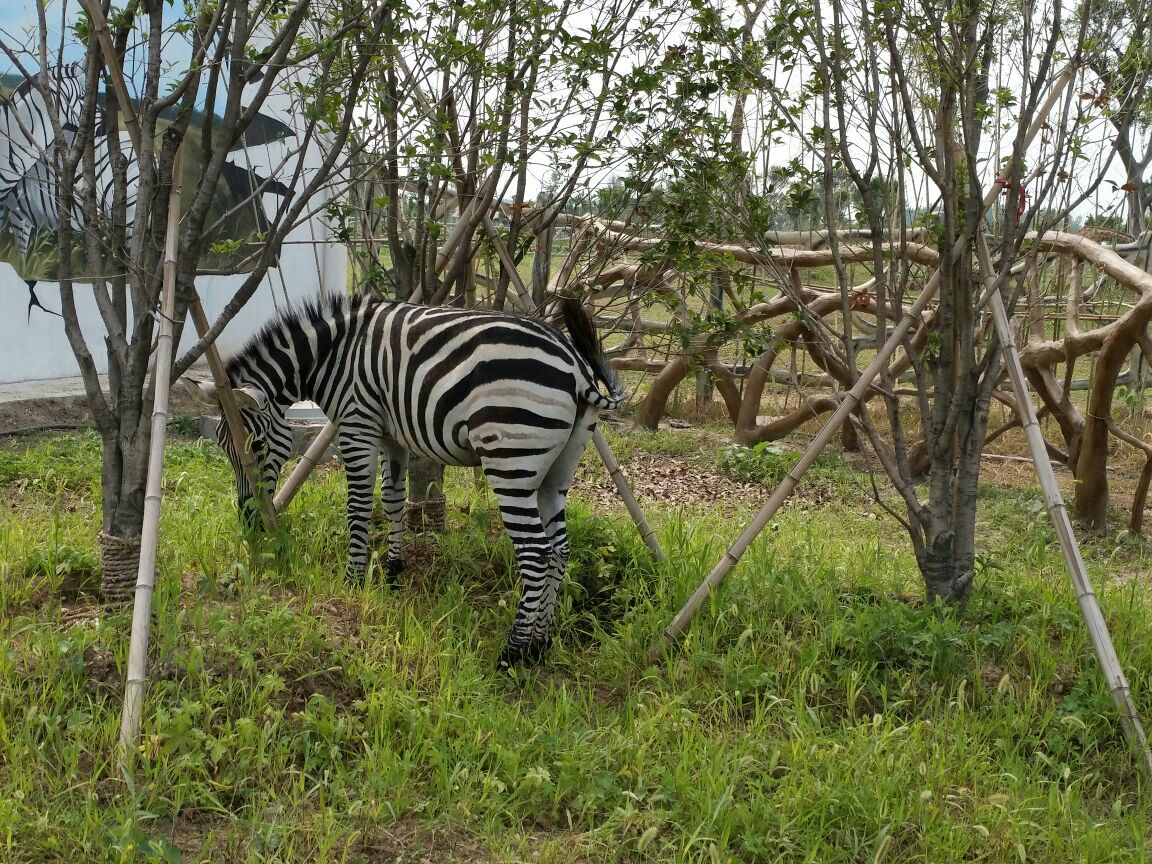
column 851, row 400
column 522, row 293
column 232, row 415
column 134, row 679
column 622, row 487
column 115, row 74
column 308, row 462
column 780, row 494
column 1058, row 512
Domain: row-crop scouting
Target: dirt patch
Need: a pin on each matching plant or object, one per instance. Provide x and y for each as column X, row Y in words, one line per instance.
column 69, row 411
column 27, row 413
column 342, row 618
column 79, row 583
column 410, row 842
column 192, row 832
column 668, row 480
column 333, row 684
column 680, row 481
column 104, row 679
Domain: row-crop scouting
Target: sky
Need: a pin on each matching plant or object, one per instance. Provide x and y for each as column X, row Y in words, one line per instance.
column 18, row 29
column 18, row 26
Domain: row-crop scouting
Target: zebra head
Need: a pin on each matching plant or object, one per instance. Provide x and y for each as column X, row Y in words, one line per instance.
column 269, row 439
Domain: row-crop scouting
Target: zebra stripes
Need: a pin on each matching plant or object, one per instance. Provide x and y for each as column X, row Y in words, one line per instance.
column 33, row 204
column 463, row 387
column 26, row 133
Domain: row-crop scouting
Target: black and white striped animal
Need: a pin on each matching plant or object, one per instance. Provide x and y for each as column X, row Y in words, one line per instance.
column 513, row 395
column 26, row 132
column 33, row 204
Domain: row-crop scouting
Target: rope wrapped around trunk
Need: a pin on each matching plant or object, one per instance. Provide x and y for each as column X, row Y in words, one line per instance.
column 119, row 560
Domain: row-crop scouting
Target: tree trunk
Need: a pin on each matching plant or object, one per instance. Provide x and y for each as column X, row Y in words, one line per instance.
column 542, row 265
column 426, row 505
column 849, row 438
column 654, row 404
column 122, row 481
column 945, row 577
column 1091, row 501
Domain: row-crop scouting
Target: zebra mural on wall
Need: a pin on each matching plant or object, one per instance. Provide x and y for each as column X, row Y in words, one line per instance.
column 30, row 185
column 513, row 395
column 28, row 143
column 33, row 205
column 26, row 133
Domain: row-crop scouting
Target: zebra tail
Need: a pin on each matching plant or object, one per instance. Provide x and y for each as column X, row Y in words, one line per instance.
column 583, row 332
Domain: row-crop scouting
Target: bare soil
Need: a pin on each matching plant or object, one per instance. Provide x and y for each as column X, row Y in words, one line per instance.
column 32, row 414
column 674, row 479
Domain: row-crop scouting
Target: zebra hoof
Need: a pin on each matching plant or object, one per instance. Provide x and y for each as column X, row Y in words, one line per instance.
column 392, row 570
column 536, row 651
column 511, row 656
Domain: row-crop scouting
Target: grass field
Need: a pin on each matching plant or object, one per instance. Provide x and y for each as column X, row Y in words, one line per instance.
column 817, row 712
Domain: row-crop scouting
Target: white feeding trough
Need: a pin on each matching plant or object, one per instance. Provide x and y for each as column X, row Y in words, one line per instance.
column 306, row 420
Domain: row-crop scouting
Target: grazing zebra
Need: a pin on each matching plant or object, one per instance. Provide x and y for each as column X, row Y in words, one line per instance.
column 463, row 387
column 26, row 133
column 33, row 204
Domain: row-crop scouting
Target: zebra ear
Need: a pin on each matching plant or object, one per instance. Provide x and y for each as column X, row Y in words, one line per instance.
column 249, row 399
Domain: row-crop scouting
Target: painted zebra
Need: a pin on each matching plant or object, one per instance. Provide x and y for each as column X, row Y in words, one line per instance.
column 513, row 395
column 33, row 205
column 26, row 133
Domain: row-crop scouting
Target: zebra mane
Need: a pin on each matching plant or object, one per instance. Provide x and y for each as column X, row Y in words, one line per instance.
column 297, row 319
column 56, row 75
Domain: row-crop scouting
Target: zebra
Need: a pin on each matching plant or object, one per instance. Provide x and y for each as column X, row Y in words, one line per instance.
column 514, row 395
column 26, row 133
column 33, row 205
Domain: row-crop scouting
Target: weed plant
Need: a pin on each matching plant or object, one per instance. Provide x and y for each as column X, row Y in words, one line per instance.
column 816, row 711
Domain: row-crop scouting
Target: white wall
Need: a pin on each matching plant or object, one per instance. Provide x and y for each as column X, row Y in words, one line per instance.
column 34, row 347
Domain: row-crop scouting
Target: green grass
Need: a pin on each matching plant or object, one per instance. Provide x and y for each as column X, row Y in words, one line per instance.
column 816, row 712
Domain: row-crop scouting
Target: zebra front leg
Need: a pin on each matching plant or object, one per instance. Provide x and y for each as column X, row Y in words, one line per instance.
column 392, row 502
column 360, row 461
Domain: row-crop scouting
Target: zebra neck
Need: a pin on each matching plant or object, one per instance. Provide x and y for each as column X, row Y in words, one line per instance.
column 323, row 372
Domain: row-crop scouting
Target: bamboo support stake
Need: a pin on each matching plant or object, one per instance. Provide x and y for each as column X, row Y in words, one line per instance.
column 505, row 257
column 851, row 400
column 232, row 415
column 1058, row 512
column 847, row 405
column 617, row 475
column 134, row 678
column 115, row 74
column 307, row 464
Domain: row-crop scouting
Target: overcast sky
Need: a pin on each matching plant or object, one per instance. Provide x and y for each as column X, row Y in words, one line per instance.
column 18, row 28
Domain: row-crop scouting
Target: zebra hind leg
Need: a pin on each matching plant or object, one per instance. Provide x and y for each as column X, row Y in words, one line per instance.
column 552, row 496
column 552, row 510
column 392, row 502
column 360, row 464
column 521, row 517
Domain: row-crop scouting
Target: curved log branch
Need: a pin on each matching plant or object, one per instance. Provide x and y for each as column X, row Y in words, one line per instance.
column 1140, row 497
column 812, row 408
column 782, row 257
column 725, row 383
column 653, row 406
